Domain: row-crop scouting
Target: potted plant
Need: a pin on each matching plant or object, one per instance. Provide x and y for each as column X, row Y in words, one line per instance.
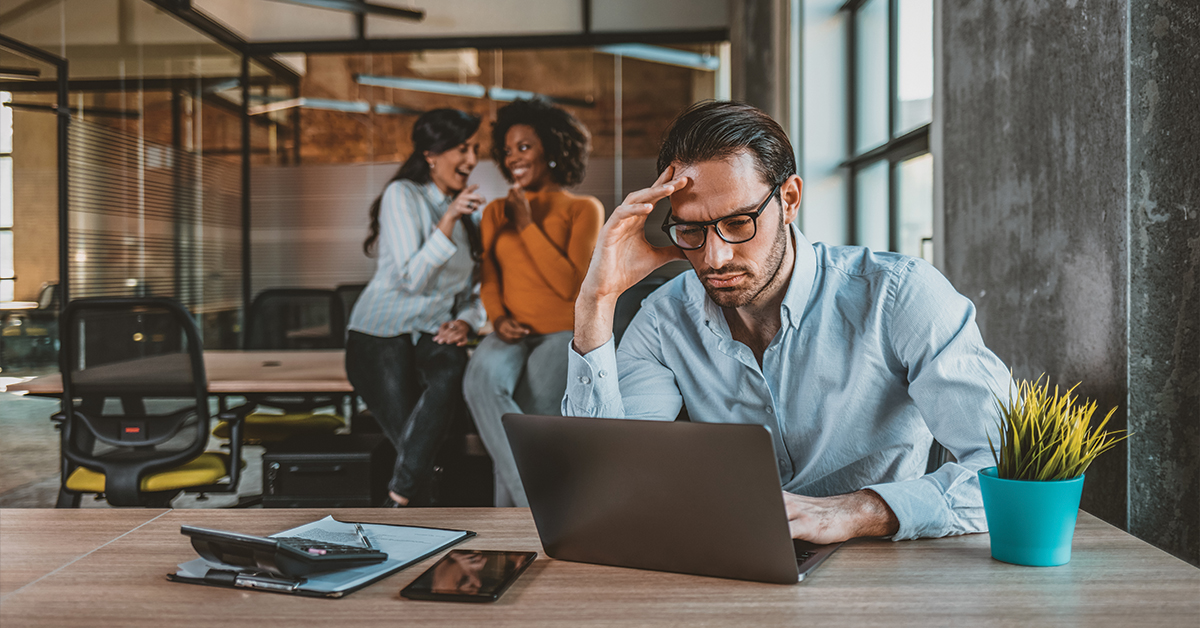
column 1031, row 497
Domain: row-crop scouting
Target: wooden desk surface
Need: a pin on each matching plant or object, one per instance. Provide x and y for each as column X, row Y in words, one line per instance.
column 1112, row 579
column 242, row 372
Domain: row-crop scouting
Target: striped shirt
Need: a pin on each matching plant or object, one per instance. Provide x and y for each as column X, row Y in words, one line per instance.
column 419, row 271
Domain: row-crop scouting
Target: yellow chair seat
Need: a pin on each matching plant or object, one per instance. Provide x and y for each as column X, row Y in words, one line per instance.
column 205, row 469
column 268, row 428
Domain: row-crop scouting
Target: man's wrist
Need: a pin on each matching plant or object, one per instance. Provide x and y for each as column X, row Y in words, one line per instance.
column 874, row 515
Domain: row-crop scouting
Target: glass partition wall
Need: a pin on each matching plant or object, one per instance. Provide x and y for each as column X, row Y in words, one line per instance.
column 204, row 174
column 356, row 113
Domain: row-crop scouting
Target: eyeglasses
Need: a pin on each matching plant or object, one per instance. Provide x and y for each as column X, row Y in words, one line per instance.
column 734, row 229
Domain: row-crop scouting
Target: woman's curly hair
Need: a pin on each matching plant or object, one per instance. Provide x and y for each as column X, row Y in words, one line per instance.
column 565, row 140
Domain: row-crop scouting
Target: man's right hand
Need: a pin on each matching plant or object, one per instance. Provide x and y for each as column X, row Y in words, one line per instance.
column 622, row 258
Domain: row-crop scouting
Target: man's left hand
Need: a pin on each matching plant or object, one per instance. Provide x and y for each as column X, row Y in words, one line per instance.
column 824, row 520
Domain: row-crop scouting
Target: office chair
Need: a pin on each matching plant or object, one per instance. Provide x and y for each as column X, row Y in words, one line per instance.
column 291, row 319
column 630, row 302
column 145, row 357
column 349, row 293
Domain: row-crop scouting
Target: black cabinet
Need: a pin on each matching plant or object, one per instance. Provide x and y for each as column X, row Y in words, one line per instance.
column 338, row 471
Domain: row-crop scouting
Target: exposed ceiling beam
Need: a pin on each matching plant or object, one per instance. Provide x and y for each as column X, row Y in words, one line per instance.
column 361, row 8
column 503, row 42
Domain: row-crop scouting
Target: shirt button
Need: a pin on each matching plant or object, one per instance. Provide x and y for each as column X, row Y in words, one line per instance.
column 770, row 410
column 603, row 374
column 585, row 380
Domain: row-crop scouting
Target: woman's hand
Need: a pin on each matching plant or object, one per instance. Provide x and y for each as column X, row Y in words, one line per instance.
column 455, row 332
column 509, row 330
column 517, row 208
column 464, row 204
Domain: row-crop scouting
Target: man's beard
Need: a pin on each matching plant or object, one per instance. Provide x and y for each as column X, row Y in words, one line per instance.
column 754, row 285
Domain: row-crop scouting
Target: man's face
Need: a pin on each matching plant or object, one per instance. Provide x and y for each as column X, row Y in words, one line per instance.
column 734, row 275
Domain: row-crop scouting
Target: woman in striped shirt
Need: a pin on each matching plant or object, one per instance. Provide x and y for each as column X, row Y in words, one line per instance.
column 405, row 350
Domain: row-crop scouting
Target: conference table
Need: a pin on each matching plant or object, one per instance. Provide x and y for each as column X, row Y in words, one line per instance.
column 238, row 373
column 108, row 568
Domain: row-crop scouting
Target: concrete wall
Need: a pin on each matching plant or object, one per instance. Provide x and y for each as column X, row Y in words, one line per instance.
column 1038, row 151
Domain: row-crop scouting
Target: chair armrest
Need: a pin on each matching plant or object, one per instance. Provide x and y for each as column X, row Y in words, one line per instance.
column 238, row 414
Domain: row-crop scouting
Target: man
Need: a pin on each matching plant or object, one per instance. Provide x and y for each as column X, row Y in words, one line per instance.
column 851, row 358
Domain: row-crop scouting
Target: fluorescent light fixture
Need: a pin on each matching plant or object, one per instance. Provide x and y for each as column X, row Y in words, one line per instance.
column 469, row 90
column 348, row 106
column 222, row 86
column 19, row 74
column 660, row 54
column 508, row 95
column 396, row 110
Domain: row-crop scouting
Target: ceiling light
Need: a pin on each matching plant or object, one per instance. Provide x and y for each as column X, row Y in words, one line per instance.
column 660, row 54
column 469, row 90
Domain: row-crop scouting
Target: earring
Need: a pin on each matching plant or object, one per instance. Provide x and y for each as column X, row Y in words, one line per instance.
column 431, row 166
column 553, row 164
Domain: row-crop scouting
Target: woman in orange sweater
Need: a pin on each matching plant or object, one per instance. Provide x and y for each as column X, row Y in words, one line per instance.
column 537, row 244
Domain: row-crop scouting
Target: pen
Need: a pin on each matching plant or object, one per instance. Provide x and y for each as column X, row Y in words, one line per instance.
column 362, row 536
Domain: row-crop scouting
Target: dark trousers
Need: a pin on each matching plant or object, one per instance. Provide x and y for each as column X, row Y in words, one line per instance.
column 414, row 391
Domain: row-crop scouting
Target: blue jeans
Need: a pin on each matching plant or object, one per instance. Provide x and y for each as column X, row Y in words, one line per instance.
column 414, row 391
column 490, row 385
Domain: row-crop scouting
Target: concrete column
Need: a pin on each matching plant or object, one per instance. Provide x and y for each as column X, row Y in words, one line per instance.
column 1079, row 270
column 1164, row 282
column 759, row 36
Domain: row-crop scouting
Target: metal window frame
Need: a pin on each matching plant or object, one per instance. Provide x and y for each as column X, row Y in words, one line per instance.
column 897, row 149
column 6, row 154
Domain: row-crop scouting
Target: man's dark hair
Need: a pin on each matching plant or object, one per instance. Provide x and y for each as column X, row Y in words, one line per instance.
column 565, row 140
column 715, row 129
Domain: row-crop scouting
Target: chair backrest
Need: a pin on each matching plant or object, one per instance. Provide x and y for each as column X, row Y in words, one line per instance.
column 134, row 389
column 48, row 297
column 630, row 302
column 349, row 292
column 296, row 318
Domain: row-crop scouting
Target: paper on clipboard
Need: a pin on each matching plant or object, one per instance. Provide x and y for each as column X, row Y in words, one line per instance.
column 404, row 546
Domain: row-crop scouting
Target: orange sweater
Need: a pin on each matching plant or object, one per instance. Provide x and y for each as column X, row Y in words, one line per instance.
column 534, row 275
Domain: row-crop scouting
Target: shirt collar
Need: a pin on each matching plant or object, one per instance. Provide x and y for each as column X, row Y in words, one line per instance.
column 435, row 195
column 795, row 300
column 800, row 288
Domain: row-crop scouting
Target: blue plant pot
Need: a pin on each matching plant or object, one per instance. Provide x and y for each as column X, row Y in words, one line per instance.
column 1031, row 523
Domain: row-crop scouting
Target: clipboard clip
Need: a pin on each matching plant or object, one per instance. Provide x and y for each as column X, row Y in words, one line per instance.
column 256, row 581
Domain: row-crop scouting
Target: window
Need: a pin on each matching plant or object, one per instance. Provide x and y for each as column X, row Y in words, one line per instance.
column 890, row 107
column 7, row 279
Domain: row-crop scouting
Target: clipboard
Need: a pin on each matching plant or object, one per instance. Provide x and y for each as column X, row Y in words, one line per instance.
column 405, row 546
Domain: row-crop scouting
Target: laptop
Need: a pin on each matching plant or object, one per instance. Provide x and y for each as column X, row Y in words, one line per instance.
column 695, row 498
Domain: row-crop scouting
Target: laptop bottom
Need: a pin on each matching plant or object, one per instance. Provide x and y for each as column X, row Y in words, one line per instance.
column 810, row 555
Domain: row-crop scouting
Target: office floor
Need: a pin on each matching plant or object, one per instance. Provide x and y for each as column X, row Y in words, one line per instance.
column 29, row 474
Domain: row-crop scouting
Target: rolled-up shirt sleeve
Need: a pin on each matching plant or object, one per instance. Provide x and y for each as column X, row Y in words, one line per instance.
column 954, row 379
column 632, row 383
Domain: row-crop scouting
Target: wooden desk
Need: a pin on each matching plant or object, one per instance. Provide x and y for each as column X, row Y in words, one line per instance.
column 248, row 372
column 1112, row 579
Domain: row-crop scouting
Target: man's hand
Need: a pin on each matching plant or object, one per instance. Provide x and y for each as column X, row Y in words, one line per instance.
column 517, row 208
column 824, row 520
column 509, row 330
column 455, row 332
column 622, row 258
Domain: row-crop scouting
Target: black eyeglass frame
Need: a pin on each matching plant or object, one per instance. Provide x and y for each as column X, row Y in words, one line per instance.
column 667, row 224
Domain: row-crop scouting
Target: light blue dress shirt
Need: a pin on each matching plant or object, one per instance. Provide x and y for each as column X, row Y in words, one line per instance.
column 418, row 271
column 876, row 352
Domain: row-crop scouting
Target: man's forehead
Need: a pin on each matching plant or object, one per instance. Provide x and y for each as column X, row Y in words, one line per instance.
column 716, row 187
